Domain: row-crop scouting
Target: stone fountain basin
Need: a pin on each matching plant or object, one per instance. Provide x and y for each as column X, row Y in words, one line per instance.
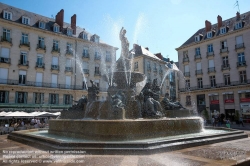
column 120, row 130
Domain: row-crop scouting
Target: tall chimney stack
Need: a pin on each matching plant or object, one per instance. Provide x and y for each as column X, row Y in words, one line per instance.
column 59, row 18
column 208, row 26
column 237, row 16
column 73, row 23
column 219, row 19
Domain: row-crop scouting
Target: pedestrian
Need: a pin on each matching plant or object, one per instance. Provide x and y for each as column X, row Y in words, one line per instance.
column 228, row 123
column 213, row 121
column 241, row 122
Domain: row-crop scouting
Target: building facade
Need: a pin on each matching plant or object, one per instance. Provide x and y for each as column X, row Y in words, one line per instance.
column 46, row 63
column 216, row 64
column 154, row 66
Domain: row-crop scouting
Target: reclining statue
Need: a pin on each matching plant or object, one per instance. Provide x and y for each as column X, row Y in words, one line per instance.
column 169, row 105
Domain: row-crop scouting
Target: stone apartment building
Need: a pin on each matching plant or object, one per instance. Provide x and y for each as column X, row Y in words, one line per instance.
column 156, row 66
column 46, row 63
column 216, row 64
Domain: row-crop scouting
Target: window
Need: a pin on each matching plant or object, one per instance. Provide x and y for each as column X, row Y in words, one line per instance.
column 188, row 100
column 227, row 79
column 23, row 58
column 97, row 83
column 238, row 25
column 4, row 96
column 229, row 96
column 209, row 34
column 21, row 97
column 225, row 61
column 197, row 51
column 212, row 81
column 67, row 99
column 148, row 64
column 241, row 57
column 239, row 40
column 38, row 98
column 5, row 54
column 85, row 52
column 22, row 77
column 55, row 63
column 25, row 20
column 223, row 30
column 25, row 39
column 54, row 80
column 198, row 66
column 39, row 79
column 6, row 34
column 185, row 54
column 188, row 84
column 97, row 55
column 197, row 38
column 108, row 56
column 210, row 48
column 55, row 45
column 243, row 77
column 3, row 75
column 40, row 42
column 39, row 61
column 56, row 28
column 69, row 32
column 68, row 62
column 97, row 69
column 68, row 82
column 53, row 98
column 136, row 66
column 7, row 15
column 200, row 84
column 96, row 39
column 85, row 36
column 42, row 25
column 69, row 48
column 223, row 44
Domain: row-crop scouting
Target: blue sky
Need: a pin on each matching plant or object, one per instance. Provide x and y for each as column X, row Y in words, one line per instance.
column 161, row 25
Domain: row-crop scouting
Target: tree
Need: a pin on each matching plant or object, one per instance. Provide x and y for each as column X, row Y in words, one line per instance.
column 205, row 114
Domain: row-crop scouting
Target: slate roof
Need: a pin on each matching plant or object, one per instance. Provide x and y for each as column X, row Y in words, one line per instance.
column 139, row 50
column 35, row 18
column 229, row 23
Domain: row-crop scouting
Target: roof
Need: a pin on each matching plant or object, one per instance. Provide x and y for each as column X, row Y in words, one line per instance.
column 229, row 23
column 139, row 50
column 35, row 18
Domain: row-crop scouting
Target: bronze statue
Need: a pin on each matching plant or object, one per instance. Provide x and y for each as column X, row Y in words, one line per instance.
column 170, row 105
column 124, row 44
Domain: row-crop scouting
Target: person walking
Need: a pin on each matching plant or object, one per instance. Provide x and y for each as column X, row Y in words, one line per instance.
column 213, row 121
column 228, row 123
column 241, row 122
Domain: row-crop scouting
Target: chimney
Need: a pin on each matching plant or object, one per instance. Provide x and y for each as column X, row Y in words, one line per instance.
column 59, row 18
column 219, row 19
column 159, row 55
column 73, row 23
column 146, row 48
column 237, row 16
column 208, row 26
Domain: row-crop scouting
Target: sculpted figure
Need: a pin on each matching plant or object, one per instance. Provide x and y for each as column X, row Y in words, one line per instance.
column 124, row 44
column 156, row 89
column 117, row 100
column 92, row 92
column 169, row 105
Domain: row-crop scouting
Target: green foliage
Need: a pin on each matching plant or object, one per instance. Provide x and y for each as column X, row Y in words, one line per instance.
column 205, row 114
column 237, row 115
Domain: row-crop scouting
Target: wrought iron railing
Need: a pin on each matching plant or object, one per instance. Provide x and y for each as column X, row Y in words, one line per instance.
column 6, row 39
column 224, row 50
column 85, row 55
column 40, row 65
column 55, row 49
column 187, row 74
column 196, row 57
column 211, row 69
column 41, row 46
column 198, row 72
column 238, row 46
column 225, row 67
column 24, row 43
column 54, row 67
column 241, row 64
column 210, row 54
column 185, row 59
column 5, row 60
column 86, row 71
column 23, row 63
column 68, row 69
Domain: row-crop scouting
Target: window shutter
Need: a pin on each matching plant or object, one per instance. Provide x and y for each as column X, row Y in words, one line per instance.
column 5, row 52
column 6, row 96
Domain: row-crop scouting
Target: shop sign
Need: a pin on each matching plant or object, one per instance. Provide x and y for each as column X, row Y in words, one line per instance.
column 229, row 101
column 245, row 100
column 214, row 102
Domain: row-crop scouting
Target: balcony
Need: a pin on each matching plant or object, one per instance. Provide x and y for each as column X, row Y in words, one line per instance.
column 85, row 55
column 241, row 64
column 224, row 51
column 98, row 57
column 187, row 74
column 210, row 54
column 41, row 84
column 97, row 73
column 5, row 60
column 55, row 68
column 149, row 69
column 24, row 44
column 197, row 57
column 225, row 67
column 69, row 52
column 86, row 71
column 239, row 47
column 40, row 66
column 211, row 70
column 41, row 47
column 23, row 64
column 218, row 85
column 198, row 72
column 185, row 60
column 68, row 69
column 6, row 40
column 55, row 50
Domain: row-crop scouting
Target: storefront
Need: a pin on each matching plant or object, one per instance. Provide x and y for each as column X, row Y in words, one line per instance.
column 229, row 105
column 214, row 103
column 201, row 104
column 245, row 105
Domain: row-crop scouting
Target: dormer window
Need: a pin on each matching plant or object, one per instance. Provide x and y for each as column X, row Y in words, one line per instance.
column 7, row 15
column 25, row 20
column 209, row 34
column 197, row 38
column 42, row 25
column 223, row 30
column 69, row 32
column 96, row 39
column 56, row 28
column 238, row 25
column 85, row 36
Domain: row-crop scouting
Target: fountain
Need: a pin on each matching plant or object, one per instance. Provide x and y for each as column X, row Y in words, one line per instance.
column 132, row 118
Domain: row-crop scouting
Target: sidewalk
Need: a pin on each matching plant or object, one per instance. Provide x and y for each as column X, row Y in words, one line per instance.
column 236, row 126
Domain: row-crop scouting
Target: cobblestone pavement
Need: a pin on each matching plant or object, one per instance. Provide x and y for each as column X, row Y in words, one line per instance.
column 225, row 153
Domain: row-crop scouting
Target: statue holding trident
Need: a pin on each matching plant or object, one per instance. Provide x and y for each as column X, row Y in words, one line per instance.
column 124, row 44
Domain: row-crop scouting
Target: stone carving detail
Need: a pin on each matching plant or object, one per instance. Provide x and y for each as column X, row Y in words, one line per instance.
column 92, row 92
column 170, row 105
column 81, row 103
